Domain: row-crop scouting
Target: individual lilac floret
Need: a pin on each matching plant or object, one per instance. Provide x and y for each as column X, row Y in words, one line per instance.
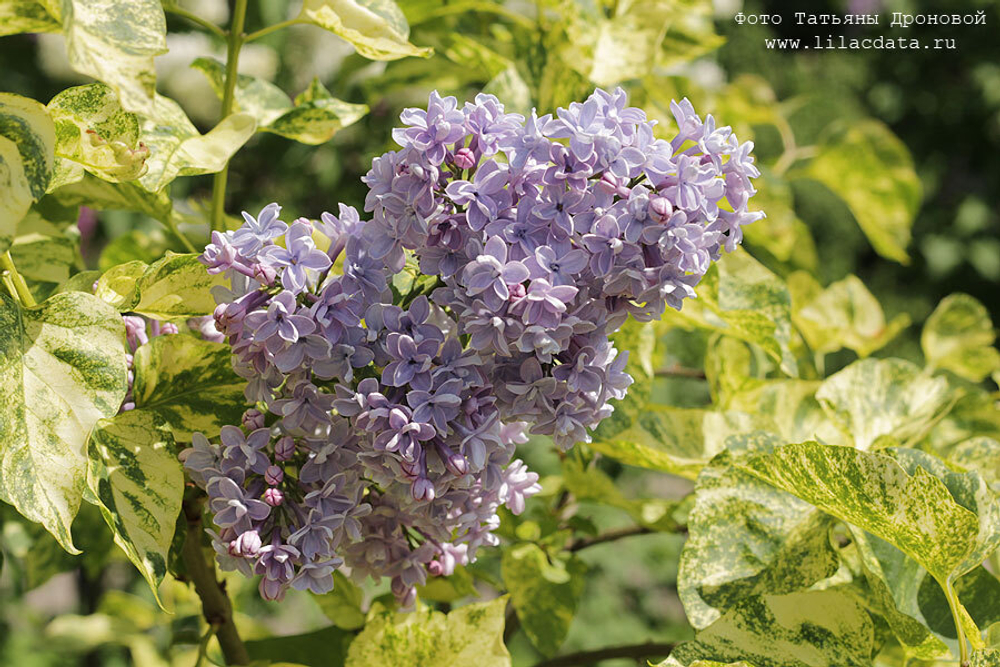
column 258, row 232
column 299, row 256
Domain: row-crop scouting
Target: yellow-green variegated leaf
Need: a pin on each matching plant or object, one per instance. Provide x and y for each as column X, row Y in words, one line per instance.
column 931, row 520
column 99, row 194
column 15, row 193
column 593, row 484
column 868, row 167
column 792, row 406
column 94, row 131
column 176, row 148
column 987, row 657
column 62, row 368
column 314, row 118
column 959, row 337
column 825, row 628
column 119, row 285
column 343, row 604
column 17, row 16
column 544, row 594
column 47, row 258
column 625, row 46
column 877, row 397
column 115, row 41
column 469, row 635
column 137, row 479
column 27, row 138
column 177, row 286
column 739, row 297
column 377, row 29
column 845, row 314
column 188, row 384
column 746, row 538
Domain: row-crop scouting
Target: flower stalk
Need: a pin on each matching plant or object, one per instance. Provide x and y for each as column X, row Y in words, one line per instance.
column 20, row 287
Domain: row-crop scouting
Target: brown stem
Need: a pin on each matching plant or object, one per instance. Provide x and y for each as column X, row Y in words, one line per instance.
column 215, row 604
column 609, row 536
column 592, row 657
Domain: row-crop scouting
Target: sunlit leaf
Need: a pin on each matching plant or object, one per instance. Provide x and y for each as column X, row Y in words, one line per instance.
column 377, row 29
column 448, row 589
column 102, row 195
column 115, row 41
column 176, row 148
column 94, row 131
column 959, row 337
column 62, row 368
column 27, row 140
column 868, row 167
column 342, row 605
column 469, row 635
column 135, row 474
column 17, row 16
column 119, row 286
column 876, row 397
column 177, row 286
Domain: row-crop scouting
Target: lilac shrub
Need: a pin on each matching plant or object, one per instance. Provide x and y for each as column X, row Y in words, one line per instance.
column 381, row 437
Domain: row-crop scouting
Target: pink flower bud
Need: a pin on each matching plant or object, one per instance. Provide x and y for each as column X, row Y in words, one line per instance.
column 274, row 497
column 660, row 208
column 517, row 291
column 422, row 489
column 246, row 545
column 435, row 569
column 464, row 158
column 273, row 475
column 168, row 328
column 284, row 449
column 253, row 419
column 265, row 273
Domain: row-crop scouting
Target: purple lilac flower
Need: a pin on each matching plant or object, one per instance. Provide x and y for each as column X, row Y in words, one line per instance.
column 299, row 256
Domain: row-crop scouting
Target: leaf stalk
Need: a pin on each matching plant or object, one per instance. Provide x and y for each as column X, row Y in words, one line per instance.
column 20, row 287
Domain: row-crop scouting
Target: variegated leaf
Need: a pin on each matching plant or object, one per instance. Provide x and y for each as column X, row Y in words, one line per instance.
column 877, row 397
column 115, row 41
column 845, row 314
column 377, row 29
column 959, row 337
column 27, row 140
column 746, row 538
column 787, row 631
column 469, row 635
column 137, row 479
column 314, row 118
column 96, row 193
column 17, row 16
column 119, row 285
column 94, row 131
column 792, row 406
column 62, row 368
column 188, row 383
column 177, row 286
column 545, row 594
column 176, row 148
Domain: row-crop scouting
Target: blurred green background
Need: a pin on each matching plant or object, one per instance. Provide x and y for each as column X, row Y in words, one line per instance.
column 943, row 105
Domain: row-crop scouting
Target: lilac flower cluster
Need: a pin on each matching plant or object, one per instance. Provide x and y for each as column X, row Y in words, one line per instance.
column 384, row 423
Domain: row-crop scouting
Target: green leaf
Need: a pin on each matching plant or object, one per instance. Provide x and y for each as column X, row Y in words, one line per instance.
column 188, row 384
column 545, row 594
column 321, row 648
column 17, row 16
column 469, row 635
column 845, row 314
column 119, row 285
column 791, row 406
column 94, row 131
column 27, row 138
column 342, row 605
column 377, row 29
column 979, row 453
column 177, row 286
column 786, row 631
column 959, row 336
column 979, row 592
column 623, row 46
column 782, row 233
column 592, row 484
column 448, row 589
column 63, row 368
column 868, row 167
column 43, row 257
column 176, row 148
column 914, row 511
column 115, row 41
column 739, row 297
column 989, row 657
column 747, row 538
column 98, row 194
column 314, row 118
column 136, row 476
column 877, row 397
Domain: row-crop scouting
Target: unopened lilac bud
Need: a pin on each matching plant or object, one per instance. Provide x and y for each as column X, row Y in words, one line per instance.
column 455, row 463
column 660, row 208
column 517, row 291
column 274, row 497
column 271, row 589
column 135, row 331
column 265, row 273
column 253, row 419
column 422, row 489
column 246, row 545
column 405, row 595
column 284, row 449
column 464, row 158
column 273, row 475
column 435, row 569
column 168, row 328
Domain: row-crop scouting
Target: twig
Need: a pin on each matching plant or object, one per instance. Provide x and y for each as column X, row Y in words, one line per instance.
column 215, row 604
column 592, row 657
column 271, row 28
column 11, row 274
column 194, row 18
column 609, row 536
